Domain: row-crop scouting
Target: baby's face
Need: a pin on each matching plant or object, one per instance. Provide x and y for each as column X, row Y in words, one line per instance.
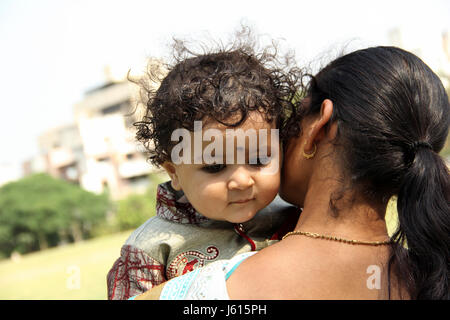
column 224, row 186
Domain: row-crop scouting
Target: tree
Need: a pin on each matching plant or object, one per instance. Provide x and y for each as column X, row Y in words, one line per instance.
column 39, row 211
column 135, row 209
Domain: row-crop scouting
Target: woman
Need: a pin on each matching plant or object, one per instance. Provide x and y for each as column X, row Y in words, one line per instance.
column 371, row 127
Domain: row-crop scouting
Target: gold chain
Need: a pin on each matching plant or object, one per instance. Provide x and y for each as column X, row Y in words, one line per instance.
column 320, row 236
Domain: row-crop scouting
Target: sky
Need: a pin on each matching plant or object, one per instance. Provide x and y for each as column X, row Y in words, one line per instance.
column 53, row 51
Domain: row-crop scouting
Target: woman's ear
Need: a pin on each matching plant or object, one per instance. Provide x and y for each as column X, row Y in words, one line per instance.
column 172, row 172
column 317, row 128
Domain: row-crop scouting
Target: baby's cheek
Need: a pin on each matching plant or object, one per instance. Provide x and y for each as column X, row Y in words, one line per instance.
column 211, row 194
column 269, row 187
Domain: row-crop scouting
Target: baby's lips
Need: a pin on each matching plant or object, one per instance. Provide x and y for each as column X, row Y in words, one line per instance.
column 243, row 200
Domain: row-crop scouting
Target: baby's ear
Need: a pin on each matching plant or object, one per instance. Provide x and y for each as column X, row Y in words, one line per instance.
column 172, row 172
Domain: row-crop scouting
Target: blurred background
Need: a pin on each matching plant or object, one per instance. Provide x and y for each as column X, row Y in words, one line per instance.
column 73, row 181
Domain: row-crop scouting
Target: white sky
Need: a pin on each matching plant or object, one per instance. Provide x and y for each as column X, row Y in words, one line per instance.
column 51, row 52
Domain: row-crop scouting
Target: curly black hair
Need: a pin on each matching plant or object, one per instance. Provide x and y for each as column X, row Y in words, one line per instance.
column 223, row 85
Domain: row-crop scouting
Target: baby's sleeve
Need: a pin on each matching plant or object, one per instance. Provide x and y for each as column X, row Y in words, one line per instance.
column 133, row 273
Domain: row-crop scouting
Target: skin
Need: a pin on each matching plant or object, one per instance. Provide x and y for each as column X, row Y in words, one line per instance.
column 300, row 267
column 230, row 192
column 219, row 195
column 306, row 268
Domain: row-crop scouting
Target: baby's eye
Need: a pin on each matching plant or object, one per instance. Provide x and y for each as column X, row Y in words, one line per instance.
column 214, row 168
column 258, row 162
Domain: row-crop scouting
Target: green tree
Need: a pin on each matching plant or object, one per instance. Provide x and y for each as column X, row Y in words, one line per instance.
column 135, row 209
column 39, row 211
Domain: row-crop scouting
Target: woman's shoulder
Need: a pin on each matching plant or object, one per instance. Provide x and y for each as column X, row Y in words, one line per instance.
column 257, row 276
column 305, row 270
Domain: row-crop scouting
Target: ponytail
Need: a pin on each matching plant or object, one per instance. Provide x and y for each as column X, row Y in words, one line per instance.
column 393, row 117
column 423, row 207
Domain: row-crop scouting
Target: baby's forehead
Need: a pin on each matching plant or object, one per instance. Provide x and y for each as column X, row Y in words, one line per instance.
column 254, row 120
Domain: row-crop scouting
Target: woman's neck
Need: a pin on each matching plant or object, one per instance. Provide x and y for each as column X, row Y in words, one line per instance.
column 352, row 218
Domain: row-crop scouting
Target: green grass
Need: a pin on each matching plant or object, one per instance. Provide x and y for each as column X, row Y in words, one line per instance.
column 54, row 273
column 51, row 274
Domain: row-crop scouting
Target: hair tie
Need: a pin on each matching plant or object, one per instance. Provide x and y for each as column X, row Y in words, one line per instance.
column 419, row 144
column 411, row 150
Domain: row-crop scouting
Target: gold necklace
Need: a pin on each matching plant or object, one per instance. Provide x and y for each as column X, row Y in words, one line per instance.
column 320, row 236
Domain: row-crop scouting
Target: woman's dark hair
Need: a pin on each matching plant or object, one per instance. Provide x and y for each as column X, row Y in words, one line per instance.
column 223, row 85
column 393, row 115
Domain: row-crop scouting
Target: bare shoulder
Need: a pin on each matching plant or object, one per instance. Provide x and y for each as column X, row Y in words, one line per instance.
column 266, row 275
column 306, row 270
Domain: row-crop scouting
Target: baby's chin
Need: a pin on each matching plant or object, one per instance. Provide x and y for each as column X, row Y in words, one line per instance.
column 242, row 218
column 233, row 218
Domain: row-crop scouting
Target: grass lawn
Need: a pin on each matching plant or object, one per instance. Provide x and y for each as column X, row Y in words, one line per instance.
column 75, row 271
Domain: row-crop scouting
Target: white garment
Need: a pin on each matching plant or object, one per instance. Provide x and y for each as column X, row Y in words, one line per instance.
column 207, row 283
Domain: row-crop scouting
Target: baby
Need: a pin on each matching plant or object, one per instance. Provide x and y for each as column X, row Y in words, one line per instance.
column 213, row 126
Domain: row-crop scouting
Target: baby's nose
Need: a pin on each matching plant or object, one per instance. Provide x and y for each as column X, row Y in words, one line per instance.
column 240, row 179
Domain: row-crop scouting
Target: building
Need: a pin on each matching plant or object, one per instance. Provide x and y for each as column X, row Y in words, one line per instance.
column 112, row 157
column 98, row 151
column 61, row 153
